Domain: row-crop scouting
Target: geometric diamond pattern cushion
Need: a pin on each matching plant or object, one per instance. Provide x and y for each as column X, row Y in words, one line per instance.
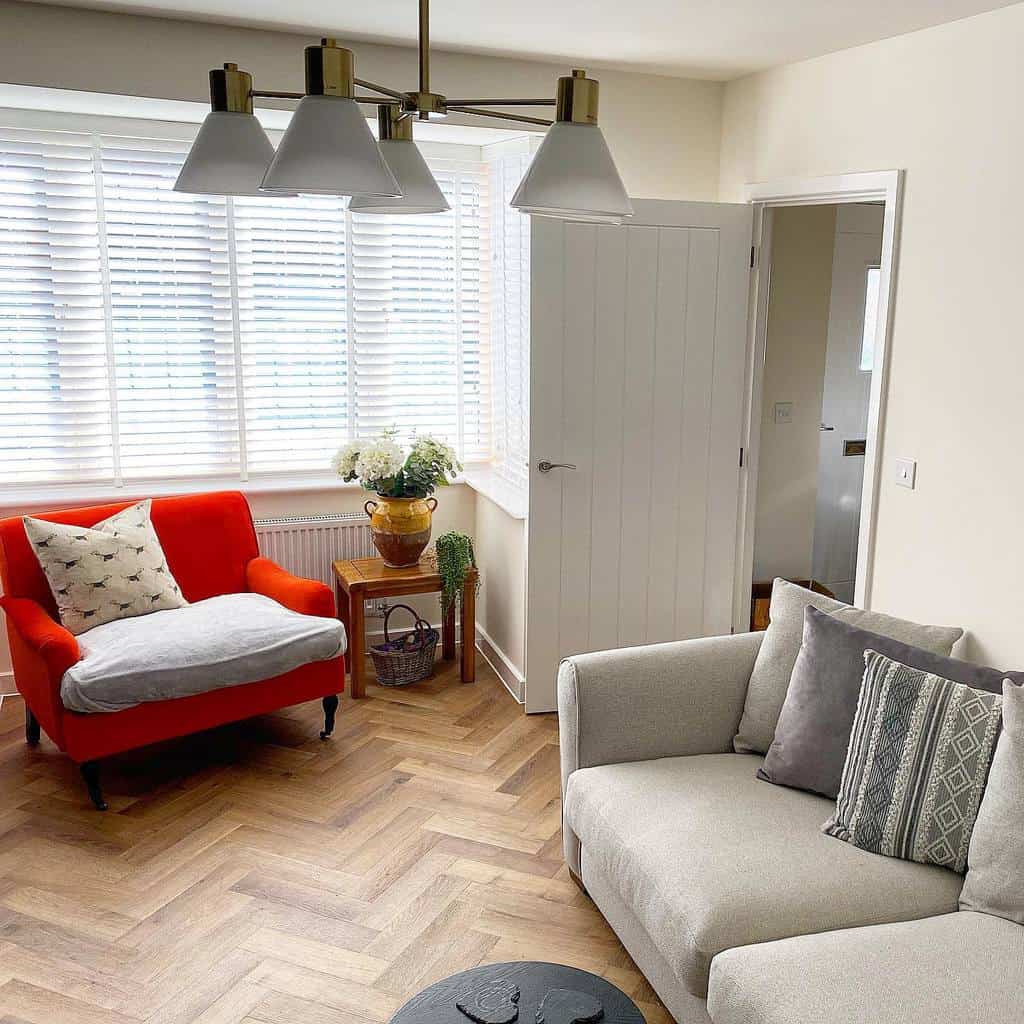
column 113, row 570
column 915, row 772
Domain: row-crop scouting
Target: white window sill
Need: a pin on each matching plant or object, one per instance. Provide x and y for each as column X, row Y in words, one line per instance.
column 515, row 501
column 37, row 499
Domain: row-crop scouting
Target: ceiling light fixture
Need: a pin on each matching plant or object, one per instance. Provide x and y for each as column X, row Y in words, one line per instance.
column 420, row 192
column 328, row 149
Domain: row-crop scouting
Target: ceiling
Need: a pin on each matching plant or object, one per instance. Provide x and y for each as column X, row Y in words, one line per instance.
column 717, row 39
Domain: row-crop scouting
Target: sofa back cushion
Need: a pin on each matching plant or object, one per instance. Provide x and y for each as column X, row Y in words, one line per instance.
column 813, row 733
column 769, row 681
column 995, row 860
column 208, row 540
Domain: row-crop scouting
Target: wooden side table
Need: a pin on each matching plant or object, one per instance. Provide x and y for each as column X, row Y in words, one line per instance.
column 365, row 579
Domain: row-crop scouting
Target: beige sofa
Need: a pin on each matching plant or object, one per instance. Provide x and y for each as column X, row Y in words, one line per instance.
column 724, row 890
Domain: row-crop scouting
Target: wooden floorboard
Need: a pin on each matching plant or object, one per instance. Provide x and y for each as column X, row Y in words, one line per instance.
column 254, row 875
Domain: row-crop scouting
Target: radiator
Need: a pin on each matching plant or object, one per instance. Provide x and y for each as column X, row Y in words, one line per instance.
column 307, row 545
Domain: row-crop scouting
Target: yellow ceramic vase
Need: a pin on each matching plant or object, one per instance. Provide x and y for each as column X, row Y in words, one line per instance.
column 400, row 528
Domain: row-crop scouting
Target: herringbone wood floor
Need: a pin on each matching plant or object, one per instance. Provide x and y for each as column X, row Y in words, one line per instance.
column 254, row 874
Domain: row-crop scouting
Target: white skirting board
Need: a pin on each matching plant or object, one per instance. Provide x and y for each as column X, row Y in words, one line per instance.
column 513, row 679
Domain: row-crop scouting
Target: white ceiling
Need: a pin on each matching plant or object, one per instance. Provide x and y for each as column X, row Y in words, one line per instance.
column 717, row 39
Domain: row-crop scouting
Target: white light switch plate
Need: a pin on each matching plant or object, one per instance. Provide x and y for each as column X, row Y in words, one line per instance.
column 783, row 412
column 906, row 472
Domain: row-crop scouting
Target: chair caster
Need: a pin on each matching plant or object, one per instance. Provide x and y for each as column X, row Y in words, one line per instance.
column 31, row 728
column 330, row 709
column 91, row 774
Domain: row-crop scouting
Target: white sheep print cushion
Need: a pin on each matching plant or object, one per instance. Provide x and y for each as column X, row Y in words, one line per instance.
column 113, row 570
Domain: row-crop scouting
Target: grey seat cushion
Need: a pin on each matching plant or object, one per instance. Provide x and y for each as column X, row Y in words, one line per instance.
column 769, row 680
column 708, row 858
column 222, row 641
column 954, row 969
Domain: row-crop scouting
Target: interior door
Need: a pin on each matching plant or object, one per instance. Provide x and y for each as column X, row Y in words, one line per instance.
column 638, row 342
column 846, row 397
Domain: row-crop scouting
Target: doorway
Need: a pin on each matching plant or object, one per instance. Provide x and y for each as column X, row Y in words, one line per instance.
column 821, row 300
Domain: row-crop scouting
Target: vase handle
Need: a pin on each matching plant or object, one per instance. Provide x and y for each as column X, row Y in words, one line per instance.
column 366, row 507
column 433, row 508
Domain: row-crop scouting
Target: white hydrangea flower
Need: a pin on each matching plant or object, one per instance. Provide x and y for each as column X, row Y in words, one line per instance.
column 378, row 460
column 344, row 461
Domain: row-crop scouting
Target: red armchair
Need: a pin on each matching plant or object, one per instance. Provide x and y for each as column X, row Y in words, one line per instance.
column 211, row 549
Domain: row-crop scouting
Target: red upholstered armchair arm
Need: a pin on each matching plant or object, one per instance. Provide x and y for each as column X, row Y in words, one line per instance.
column 310, row 597
column 42, row 651
column 42, row 635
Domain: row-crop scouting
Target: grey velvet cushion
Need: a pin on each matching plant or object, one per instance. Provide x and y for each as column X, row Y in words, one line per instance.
column 920, row 752
column 707, row 858
column 955, row 969
column 995, row 876
column 222, row 641
column 813, row 731
column 769, row 680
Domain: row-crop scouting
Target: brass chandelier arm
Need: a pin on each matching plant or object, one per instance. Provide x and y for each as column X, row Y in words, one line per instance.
column 382, row 89
column 502, row 103
column 522, row 118
column 274, row 94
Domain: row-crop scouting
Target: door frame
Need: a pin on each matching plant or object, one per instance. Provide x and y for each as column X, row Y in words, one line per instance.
column 868, row 186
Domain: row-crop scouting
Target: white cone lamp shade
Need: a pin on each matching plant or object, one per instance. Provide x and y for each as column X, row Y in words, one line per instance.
column 573, row 175
column 229, row 157
column 420, row 192
column 231, row 153
column 328, row 149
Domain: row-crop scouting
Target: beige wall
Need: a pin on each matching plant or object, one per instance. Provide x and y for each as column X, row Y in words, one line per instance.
column 500, row 546
column 945, row 104
column 664, row 132
column 803, row 239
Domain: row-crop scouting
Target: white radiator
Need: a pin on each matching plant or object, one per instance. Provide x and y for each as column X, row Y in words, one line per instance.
column 307, row 545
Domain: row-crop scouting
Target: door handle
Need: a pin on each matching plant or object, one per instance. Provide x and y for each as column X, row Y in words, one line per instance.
column 545, row 467
column 823, row 427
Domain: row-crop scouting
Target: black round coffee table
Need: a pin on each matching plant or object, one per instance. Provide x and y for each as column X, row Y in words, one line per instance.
column 526, row 993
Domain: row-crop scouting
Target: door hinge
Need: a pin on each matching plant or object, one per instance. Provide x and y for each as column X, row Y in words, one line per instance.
column 741, row 458
column 753, row 256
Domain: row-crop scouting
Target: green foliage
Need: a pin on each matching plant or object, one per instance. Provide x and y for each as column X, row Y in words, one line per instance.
column 455, row 557
column 429, row 465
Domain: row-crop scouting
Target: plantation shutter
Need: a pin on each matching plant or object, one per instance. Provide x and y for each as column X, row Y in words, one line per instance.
column 510, row 319
column 418, row 296
column 152, row 335
column 170, row 316
column 55, row 413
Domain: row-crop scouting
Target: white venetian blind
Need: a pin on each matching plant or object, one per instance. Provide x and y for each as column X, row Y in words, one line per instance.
column 510, row 319
column 147, row 334
column 55, row 411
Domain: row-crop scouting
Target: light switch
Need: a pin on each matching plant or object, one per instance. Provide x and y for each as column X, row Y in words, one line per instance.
column 906, row 472
column 783, row 412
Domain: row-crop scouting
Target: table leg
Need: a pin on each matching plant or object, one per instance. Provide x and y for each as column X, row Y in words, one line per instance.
column 357, row 644
column 469, row 632
column 448, row 635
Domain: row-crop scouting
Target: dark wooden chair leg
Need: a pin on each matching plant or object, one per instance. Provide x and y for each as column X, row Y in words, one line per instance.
column 31, row 728
column 330, row 708
column 91, row 775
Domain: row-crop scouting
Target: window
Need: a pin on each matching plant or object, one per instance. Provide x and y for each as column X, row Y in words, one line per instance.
column 147, row 334
column 867, row 345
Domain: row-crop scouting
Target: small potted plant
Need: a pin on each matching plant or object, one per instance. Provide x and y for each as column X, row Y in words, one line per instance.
column 400, row 517
column 455, row 557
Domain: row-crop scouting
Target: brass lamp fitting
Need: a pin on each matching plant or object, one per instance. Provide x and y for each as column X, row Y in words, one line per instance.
column 329, row 70
column 391, row 124
column 231, row 90
column 576, row 99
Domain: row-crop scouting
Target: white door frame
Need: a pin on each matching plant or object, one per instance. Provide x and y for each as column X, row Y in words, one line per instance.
column 869, row 186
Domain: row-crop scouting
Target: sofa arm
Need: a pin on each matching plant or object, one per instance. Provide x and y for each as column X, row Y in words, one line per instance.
column 309, row 597
column 42, row 650
column 662, row 700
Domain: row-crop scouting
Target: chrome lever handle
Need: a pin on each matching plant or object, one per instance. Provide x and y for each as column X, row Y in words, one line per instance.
column 824, row 427
column 545, row 467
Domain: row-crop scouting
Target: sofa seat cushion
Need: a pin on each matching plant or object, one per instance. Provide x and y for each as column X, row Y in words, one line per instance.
column 958, row 969
column 708, row 858
column 222, row 641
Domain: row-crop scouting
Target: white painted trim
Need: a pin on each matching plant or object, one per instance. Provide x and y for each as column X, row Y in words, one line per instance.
column 869, row 186
column 511, row 677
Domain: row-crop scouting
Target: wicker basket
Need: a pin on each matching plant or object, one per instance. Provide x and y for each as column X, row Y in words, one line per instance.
column 408, row 659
